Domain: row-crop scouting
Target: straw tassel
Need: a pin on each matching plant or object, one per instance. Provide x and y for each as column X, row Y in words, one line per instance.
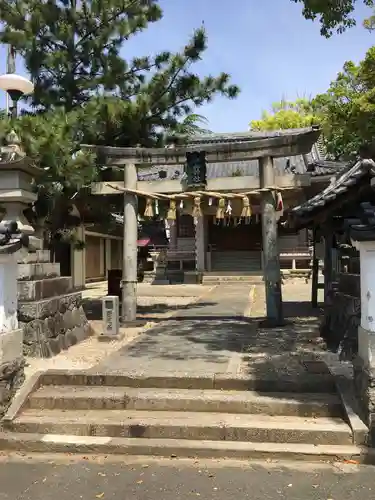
column 197, row 211
column 149, row 209
column 171, row 215
column 246, row 207
column 220, row 212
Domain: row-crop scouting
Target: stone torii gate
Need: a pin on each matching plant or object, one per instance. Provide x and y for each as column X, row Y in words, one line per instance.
column 262, row 146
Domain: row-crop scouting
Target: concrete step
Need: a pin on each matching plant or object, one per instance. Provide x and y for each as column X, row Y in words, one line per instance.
column 44, row 288
column 85, row 445
column 214, row 280
column 310, row 383
column 190, row 400
column 35, row 257
column 185, row 425
column 38, row 271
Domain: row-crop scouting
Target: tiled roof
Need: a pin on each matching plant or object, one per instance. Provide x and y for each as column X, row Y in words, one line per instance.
column 339, row 186
column 294, row 164
column 313, row 163
column 246, row 136
column 323, row 167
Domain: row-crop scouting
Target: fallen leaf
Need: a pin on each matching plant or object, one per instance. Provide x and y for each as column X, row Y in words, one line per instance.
column 290, row 485
column 139, row 482
column 145, row 466
column 101, row 474
column 354, row 462
column 100, row 495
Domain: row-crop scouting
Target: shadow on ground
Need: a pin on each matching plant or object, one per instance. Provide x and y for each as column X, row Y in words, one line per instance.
column 152, row 312
column 222, row 333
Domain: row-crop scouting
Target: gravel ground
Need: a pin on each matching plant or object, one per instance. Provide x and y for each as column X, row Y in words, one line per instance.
column 294, row 349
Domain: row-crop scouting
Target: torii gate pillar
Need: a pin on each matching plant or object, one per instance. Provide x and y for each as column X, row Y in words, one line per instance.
column 271, row 262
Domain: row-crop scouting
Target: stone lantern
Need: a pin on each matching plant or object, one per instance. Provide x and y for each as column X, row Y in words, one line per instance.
column 17, row 174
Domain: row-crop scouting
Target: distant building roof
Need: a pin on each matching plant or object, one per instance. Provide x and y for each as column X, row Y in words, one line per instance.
column 348, row 178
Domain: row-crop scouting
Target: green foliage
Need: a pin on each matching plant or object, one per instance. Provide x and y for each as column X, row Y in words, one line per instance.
column 287, row 115
column 333, row 15
column 86, row 92
column 347, row 109
column 72, row 52
column 72, row 48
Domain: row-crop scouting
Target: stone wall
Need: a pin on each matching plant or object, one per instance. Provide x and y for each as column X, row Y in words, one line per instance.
column 11, row 378
column 50, row 311
column 343, row 316
column 364, row 383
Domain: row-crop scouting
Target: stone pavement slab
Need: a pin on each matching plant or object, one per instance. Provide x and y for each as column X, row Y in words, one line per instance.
column 91, row 478
column 205, row 337
column 219, row 335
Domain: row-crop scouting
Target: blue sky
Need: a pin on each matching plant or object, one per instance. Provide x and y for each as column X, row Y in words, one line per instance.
column 267, row 46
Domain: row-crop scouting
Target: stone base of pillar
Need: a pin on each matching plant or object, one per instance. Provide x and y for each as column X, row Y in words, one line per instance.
column 12, row 366
column 193, row 278
column 364, row 383
column 154, row 278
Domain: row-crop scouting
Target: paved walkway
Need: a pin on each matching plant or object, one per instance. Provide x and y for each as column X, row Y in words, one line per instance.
column 215, row 336
column 91, row 478
column 203, row 338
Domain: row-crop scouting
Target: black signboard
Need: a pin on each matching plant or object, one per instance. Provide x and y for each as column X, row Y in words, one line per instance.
column 196, row 169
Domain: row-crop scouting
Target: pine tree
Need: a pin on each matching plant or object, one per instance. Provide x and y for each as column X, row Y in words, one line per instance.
column 86, row 92
column 72, row 50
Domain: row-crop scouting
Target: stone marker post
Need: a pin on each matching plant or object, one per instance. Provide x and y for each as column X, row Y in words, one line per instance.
column 271, row 262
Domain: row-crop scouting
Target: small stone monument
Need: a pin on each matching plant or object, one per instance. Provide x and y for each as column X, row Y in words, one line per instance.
column 111, row 318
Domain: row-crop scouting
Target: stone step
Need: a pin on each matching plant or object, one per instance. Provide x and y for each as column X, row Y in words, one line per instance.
column 36, row 257
column 309, row 383
column 38, row 270
column 214, row 280
column 185, row 425
column 189, row 400
column 177, row 448
column 44, row 288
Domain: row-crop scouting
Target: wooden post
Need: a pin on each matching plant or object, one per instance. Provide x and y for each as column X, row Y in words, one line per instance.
column 271, row 262
column 328, row 266
column 129, row 266
column 315, row 275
